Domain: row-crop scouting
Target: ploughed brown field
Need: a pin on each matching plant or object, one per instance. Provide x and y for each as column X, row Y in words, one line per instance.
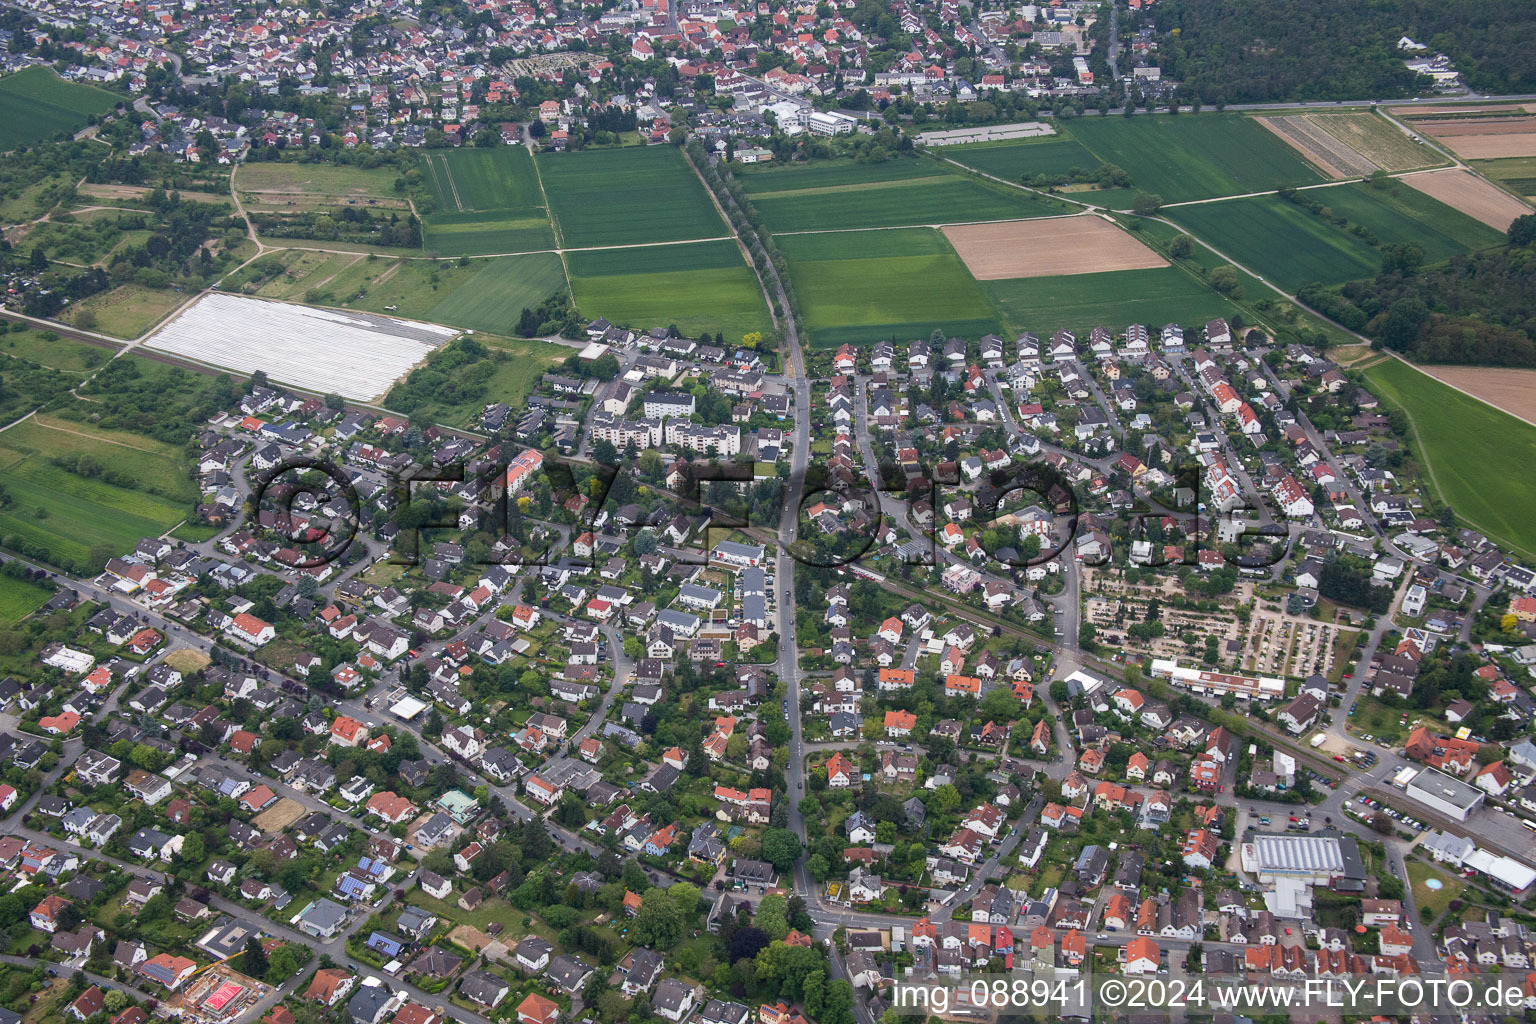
column 1484, row 138
column 1047, row 247
column 1514, row 391
column 1473, row 196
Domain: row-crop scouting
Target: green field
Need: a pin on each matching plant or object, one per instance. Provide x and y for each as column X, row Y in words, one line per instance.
column 843, row 196
column 498, row 290
column 1477, row 457
column 1280, row 241
column 315, row 179
column 1018, row 159
column 860, row 287
column 488, row 201
column 37, row 104
column 487, row 232
column 78, row 520
column 500, row 178
column 1194, row 157
column 1113, row 299
column 1516, row 173
column 703, row 287
column 58, row 354
column 627, row 197
column 20, row 598
column 1293, row 247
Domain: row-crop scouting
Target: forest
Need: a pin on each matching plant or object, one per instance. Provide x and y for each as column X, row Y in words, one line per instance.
column 1479, row 308
column 1269, row 50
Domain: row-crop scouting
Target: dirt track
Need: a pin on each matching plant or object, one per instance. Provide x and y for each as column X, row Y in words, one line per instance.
column 1048, row 247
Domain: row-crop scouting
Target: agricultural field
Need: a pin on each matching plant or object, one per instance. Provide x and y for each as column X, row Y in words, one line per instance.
column 898, row 193
column 1051, row 245
column 702, row 287
column 1396, row 213
column 494, row 294
column 487, row 233
column 501, row 178
column 1474, row 455
column 1280, row 241
column 1022, row 159
column 1079, row 302
column 81, row 520
column 1293, row 247
column 861, row 287
column 20, row 598
column 37, row 104
column 1502, row 133
column 488, row 201
column 1472, row 195
column 627, row 197
column 1518, row 174
column 1510, row 389
column 1196, row 157
column 1351, row 143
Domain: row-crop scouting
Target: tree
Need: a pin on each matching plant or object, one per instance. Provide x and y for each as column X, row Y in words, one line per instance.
column 1181, row 247
column 255, row 959
column 1224, row 279
column 283, row 964
column 746, row 943
column 773, row 916
column 1522, row 230
column 781, row 848
column 837, row 1007
column 192, row 849
column 1146, row 204
column 658, row 922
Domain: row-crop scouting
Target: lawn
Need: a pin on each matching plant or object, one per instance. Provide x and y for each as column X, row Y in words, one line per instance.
column 1280, row 241
column 317, row 179
column 1432, row 902
column 1194, row 157
column 1476, row 456
column 703, row 287
column 159, row 467
column 37, row 104
column 80, row 521
column 127, row 311
column 627, row 197
column 1112, row 299
column 839, row 196
column 458, row 395
column 84, row 520
column 868, row 286
column 20, row 598
column 59, row 354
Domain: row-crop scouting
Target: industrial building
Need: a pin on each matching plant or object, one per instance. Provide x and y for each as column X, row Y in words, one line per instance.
column 1312, row 859
column 1444, row 794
